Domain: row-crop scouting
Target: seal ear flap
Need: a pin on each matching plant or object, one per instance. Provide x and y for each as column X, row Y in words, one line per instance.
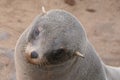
column 43, row 10
column 77, row 53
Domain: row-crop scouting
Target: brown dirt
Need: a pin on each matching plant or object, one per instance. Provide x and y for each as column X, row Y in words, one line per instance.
column 101, row 19
column 70, row 2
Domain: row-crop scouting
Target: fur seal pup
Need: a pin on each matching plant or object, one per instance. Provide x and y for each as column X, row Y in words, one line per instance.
column 55, row 47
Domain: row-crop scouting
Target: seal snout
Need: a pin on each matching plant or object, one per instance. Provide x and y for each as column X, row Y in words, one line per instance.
column 34, row 54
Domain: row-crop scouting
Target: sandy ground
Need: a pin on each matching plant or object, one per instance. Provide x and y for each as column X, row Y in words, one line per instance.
column 100, row 18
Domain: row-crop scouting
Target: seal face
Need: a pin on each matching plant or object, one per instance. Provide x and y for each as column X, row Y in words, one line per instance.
column 53, row 39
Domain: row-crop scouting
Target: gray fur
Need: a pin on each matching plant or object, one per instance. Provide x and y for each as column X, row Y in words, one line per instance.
column 59, row 29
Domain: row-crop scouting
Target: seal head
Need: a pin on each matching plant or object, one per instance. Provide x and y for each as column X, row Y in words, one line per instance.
column 54, row 38
column 50, row 44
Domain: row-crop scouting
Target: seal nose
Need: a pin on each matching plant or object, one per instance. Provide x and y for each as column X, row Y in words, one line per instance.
column 34, row 54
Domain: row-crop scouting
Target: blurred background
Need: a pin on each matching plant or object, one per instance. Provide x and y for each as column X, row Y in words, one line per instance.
column 100, row 18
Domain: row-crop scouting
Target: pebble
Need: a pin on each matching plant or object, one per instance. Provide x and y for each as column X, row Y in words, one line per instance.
column 4, row 35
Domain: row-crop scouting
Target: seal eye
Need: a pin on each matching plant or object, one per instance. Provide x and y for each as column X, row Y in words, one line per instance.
column 36, row 32
column 58, row 53
column 34, row 54
column 57, row 56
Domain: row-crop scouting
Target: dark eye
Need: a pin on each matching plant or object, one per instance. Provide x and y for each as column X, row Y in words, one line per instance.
column 33, row 34
column 36, row 32
column 57, row 54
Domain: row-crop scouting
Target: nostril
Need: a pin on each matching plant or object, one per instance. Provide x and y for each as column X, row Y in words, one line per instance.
column 34, row 54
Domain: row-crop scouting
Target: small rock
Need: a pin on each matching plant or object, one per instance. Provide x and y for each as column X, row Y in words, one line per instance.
column 7, row 52
column 4, row 35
